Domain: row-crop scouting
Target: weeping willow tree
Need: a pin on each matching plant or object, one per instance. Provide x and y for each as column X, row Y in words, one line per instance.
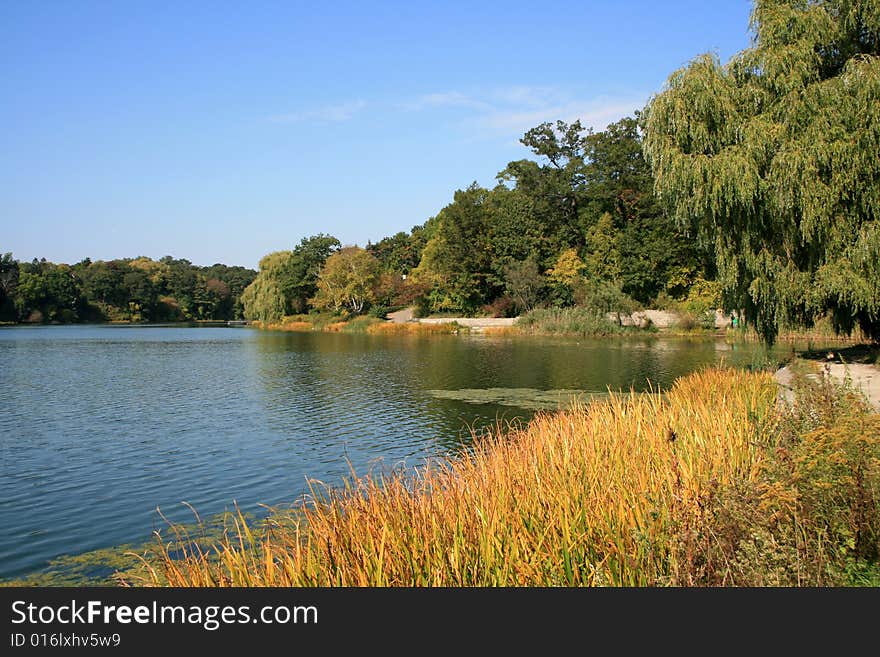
column 775, row 159
column 264, row 299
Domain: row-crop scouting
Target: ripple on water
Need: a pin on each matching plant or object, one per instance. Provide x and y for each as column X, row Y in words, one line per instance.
column 101, row 425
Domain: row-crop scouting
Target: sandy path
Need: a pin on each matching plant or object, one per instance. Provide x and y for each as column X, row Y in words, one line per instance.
column 401, row 316
column 864, row 377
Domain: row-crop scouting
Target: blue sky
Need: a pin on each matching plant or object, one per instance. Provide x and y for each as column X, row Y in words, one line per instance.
column 220, row 132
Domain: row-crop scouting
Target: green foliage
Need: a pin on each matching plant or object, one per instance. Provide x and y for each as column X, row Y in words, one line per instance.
column 584, row 208
column 554, row 188
column 516, row 230
column 603, row 256
column 568, row 321
column 605, row 297
column 287, row 280
column 138, row 289
column 263, row 299
column 401, row 252
column 48, row 292
column 773, row 158
column 347, row 280
column 298, row 276
column 524, row 283
column 8, row 285
column 456, row 263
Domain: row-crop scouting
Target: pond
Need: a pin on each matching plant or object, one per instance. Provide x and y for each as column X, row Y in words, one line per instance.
column 102, row 425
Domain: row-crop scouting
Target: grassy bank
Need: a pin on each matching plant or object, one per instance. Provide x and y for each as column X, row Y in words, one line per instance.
column 706, row 484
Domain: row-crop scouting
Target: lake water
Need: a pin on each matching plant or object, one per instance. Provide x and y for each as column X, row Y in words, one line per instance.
column 100, row 425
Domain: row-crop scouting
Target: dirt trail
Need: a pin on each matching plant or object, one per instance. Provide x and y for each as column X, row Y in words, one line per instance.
column 864, row 377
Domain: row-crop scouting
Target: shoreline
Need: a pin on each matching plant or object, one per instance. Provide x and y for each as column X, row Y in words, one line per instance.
column 507, row 327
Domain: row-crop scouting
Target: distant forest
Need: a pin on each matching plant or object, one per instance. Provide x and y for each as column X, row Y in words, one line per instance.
column 130, row 289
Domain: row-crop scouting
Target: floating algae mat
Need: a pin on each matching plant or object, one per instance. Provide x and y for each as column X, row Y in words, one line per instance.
column 99, row 567
column 528, row 398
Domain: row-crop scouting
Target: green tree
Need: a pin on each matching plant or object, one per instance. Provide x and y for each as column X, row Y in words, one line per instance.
column 235, row 279
column 773, row 157
column 298, row 278
column 287, row 280
column 603, row 256
column 401, row 252
column 641, row 247
column 140, row 294
column 9, row 273
column 48, row 292
column 457, row 261
column 556, row 185
column 524, row 283
column 347, row 280
column 516, row 232
column 264, row 299
column 102, row 282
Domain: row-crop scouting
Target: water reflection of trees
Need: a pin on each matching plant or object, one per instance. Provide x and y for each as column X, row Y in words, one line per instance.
column 333, row 399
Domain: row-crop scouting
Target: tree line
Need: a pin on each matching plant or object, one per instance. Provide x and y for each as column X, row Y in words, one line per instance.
column 577, row 225
column 129, row 289
column 752, row 185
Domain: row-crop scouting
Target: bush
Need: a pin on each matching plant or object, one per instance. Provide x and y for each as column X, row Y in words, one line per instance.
column 378, row 311
column 568, row 321
column 503, row 306
column 360, row 324
column 689, row 321
column 604, row 296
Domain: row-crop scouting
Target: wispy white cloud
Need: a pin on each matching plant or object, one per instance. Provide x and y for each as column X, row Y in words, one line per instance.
column 513, row 110
column 526, row 96
column 326, row 114
column 446, row 99
column 501, row 111
column 596, row 114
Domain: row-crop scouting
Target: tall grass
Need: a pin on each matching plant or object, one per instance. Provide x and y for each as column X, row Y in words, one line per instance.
column 361, row 324
column 415, row 328
column 568, row 321
column 705, row 484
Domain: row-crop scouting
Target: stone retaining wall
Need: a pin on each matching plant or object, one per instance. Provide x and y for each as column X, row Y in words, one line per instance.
column 659, row 318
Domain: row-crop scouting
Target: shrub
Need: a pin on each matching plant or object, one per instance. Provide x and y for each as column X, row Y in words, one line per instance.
column 503, row 306
column 379, row 311
column 568, row 321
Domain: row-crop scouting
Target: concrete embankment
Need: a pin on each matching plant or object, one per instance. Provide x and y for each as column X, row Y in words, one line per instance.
column 475, row 324
column 641, row 318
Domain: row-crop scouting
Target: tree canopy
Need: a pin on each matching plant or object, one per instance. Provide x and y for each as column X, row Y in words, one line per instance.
column 772, row 157
column 287, row 280
column 347, row 280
